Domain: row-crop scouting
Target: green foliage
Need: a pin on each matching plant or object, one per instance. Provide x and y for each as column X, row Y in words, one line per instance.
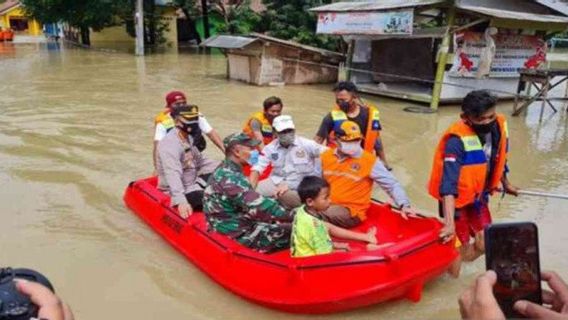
column 189, row 7
column 292, row 20
column 95, row 14
column 239, row 18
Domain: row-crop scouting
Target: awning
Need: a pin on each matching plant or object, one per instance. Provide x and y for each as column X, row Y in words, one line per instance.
column 497, row 11
column 557, row 5
column 228, row 42
column 239, row 42
column 8, row 5
column 374, row 5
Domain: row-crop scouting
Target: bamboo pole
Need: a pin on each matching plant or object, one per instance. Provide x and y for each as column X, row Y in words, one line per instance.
column 442, row 59
column 543, row 194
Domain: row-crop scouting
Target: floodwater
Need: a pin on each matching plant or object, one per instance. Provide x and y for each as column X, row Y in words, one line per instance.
column 76, row 127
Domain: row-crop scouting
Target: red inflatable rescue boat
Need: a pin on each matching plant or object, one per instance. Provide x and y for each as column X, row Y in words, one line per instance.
column 319, row 284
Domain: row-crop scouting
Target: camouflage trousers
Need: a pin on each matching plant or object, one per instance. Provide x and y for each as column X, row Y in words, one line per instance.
column 267, row 237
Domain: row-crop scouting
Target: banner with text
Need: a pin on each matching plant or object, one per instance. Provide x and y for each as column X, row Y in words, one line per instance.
column 369, row 23
column 512, row 52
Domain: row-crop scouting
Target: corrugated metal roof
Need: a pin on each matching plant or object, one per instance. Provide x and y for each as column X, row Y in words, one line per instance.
column 524, row 6
column 228, row 42
column 558, row 5
column 374, row 5
column 509, row 14
column 239, row 42
column 297, row 45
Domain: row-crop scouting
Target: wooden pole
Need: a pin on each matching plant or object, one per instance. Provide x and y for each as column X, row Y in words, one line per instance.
column 139, row 20
column 442, row 59
column 349, row 61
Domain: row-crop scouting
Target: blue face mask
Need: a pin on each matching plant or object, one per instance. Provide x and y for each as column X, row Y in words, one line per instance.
column 253, row 157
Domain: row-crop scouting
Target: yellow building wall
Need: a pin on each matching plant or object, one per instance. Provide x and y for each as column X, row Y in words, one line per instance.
column 169, row 17
column 117, row 37
column 34, row 27
column 111, row 37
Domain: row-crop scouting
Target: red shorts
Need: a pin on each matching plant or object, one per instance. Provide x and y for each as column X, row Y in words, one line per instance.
column 470, row 220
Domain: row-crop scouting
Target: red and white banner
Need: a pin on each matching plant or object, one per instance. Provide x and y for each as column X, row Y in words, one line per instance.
column 512, row 52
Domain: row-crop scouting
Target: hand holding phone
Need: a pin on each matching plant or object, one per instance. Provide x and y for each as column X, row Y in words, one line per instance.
column 479, row 303
column 512, row 252
column 557, row 299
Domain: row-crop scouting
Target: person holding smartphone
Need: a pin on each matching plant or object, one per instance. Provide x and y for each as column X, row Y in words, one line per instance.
column 478, row 301
column 470, row 164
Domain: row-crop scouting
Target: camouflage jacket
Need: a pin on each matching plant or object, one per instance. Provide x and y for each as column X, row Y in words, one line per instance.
column 233, row 207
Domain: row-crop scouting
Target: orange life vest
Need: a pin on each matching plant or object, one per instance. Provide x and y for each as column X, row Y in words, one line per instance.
column 165, row 119
column 265, row 129
column 473, row 174
column 373, row 127
column 350, row 181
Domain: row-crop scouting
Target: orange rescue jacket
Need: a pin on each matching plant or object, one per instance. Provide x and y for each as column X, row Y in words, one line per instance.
column 350, row 181
column 373, row 127
column 165, row 119
column 473, row 174
column 266, row 128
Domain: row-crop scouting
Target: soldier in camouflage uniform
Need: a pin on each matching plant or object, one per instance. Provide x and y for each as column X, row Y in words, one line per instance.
column 234, row 208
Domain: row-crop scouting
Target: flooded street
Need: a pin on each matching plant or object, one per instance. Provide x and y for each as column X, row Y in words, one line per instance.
column 76, row 127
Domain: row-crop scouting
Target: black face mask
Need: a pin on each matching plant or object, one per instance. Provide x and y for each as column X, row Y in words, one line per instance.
column 343, row 105
column 189, row 128
column 483, row 129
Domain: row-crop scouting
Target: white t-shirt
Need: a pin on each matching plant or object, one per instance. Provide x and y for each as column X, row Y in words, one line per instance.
column 161, row 131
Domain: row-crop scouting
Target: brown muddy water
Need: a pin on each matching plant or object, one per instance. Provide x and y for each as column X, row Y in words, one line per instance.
column 76, row 127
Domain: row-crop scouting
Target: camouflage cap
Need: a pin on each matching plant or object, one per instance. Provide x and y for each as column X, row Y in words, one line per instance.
column 240, row 138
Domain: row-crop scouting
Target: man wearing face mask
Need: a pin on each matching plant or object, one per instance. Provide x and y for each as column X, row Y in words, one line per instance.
column 292, row 158
column 182, row 169
column 349, row 107
column 470, row 164
column 164, row 122
column 259, row 125
column 233, row 208
column 351, row 172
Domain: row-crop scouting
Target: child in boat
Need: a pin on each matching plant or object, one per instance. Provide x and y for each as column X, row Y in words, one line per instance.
column 310, row 235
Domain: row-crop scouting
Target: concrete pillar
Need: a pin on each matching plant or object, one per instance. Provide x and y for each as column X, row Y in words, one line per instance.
column 139, row 20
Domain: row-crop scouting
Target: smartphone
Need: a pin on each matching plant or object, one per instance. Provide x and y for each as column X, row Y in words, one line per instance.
column 511, row 250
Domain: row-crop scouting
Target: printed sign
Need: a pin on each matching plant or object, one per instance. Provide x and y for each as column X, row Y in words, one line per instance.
column 512, row 52
column 371, row 23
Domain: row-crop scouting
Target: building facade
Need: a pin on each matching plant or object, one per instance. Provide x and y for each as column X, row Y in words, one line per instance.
column 13, row 17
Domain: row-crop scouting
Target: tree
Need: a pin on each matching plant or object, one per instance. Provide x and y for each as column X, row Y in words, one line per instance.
column 239, row 17
column 292, row 20
column 189, row 9
column 84, row 14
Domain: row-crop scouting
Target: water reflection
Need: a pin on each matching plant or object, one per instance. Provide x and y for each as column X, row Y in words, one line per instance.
column 76, row 127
